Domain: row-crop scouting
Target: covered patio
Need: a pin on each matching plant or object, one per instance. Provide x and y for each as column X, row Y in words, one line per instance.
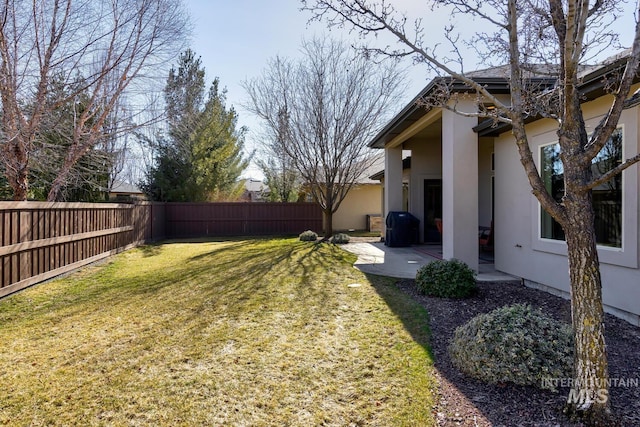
column 404, row 262
column 451, row 172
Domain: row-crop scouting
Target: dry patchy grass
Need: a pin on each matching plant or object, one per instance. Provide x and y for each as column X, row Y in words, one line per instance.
column 261, row 332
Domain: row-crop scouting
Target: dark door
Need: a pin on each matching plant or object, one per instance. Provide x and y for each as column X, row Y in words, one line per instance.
column 432, row 209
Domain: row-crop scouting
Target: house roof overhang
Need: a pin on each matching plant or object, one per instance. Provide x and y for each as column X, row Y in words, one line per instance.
column 592, row 86
column 415, row 110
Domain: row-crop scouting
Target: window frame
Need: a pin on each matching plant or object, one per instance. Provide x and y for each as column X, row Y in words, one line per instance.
column 626, row 255
column 622, row 186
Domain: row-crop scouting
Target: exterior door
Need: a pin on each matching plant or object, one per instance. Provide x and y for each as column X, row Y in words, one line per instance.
column 432, row 210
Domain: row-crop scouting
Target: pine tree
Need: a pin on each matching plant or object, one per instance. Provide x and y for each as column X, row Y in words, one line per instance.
column 201, row 156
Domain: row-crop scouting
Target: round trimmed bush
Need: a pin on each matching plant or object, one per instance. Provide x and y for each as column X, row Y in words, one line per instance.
column 446, row 279
column 340, row 238
column 308, row 236
column 514, row 344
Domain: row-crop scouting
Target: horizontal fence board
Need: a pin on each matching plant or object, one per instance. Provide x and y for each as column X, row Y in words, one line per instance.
column 41, row 243
column 4, row 291
column 240, row 219
column 41, row 240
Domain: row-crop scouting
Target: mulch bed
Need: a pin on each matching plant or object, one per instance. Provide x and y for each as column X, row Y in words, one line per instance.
column 464, row 401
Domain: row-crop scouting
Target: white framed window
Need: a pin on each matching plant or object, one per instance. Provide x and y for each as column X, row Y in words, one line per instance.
column 607, row 197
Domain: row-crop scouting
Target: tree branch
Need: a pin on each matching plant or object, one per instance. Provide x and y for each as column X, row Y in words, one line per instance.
column 612, row 173
column 608, row 124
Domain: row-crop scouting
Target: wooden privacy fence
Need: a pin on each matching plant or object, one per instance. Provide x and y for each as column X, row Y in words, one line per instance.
column 240, row 219
column 41, row 240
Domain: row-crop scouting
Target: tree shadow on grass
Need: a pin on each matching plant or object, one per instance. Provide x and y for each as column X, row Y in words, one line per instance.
column 151, row 250
column 250, row 259
column 414, row 317
column 208, row 270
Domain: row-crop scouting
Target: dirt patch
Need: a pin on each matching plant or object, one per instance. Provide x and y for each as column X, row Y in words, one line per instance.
column 464, row 401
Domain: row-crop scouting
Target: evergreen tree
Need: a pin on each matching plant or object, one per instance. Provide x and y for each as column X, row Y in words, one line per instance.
column 88, row 178
column 201, row 157
column 283, row 180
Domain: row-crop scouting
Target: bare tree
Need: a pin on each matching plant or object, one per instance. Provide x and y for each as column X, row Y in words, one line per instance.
column 278, row 168
column 335, row 100
column 527, row 34
column 114, row 47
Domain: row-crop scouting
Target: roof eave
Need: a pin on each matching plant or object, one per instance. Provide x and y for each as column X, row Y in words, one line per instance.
column 495, row 85
column 592, row 87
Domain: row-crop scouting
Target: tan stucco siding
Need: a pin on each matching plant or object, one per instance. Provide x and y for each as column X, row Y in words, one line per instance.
column 485, row 174
column 426, row 163
column 362, row 200
column 520, row 251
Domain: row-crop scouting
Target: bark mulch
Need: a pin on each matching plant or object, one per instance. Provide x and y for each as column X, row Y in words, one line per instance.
column 464, row 401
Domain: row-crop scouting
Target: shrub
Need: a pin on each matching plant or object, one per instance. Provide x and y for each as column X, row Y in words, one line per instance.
column 514, row 344
column 447, row 279
column 308, row 236
column 340, row 238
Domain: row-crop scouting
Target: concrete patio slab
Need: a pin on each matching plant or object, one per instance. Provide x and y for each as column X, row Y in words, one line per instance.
column 404, row 262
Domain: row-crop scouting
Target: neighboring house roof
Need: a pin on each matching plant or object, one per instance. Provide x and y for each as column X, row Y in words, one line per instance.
column 367, row 176
column 379, row 176
column 254, row 185
column 376, row 162
column 121, row 187
column 254, row 190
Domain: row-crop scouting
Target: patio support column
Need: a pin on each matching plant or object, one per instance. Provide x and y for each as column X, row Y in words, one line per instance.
column 460, row 186
column 392, row 182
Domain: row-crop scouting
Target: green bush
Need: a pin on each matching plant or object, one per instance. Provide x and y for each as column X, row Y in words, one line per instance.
column 340, row 238
column 514, row 344
column 308, row 236
column 447, row 279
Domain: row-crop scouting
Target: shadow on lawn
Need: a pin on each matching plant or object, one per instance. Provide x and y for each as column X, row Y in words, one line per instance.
column 297, row 265
column 413, row 316
column 151, row 250
column 212, row 273
column 112, row 285
column 250, row 260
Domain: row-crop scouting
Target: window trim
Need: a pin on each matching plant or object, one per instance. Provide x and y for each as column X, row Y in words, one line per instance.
column 626, row 255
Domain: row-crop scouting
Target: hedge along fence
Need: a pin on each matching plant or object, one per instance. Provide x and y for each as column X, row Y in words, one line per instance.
column 42, row 240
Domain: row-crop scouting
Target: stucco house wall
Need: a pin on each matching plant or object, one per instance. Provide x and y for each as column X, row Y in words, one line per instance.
column 485, row 177
column 425, row 164
column 361, row 200
column 520, row 251
column 481, row 173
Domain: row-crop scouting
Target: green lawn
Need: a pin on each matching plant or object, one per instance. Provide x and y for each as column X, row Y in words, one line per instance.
column 244, row 332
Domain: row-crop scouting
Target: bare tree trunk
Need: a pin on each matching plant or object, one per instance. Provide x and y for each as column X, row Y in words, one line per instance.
column 58, row 184
column 589, row 394
column 20, row 187
column 17, row 173
column 328, row 223
column 62, row 176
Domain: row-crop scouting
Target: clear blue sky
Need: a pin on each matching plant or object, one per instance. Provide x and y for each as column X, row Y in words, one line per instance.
column 236, row 38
